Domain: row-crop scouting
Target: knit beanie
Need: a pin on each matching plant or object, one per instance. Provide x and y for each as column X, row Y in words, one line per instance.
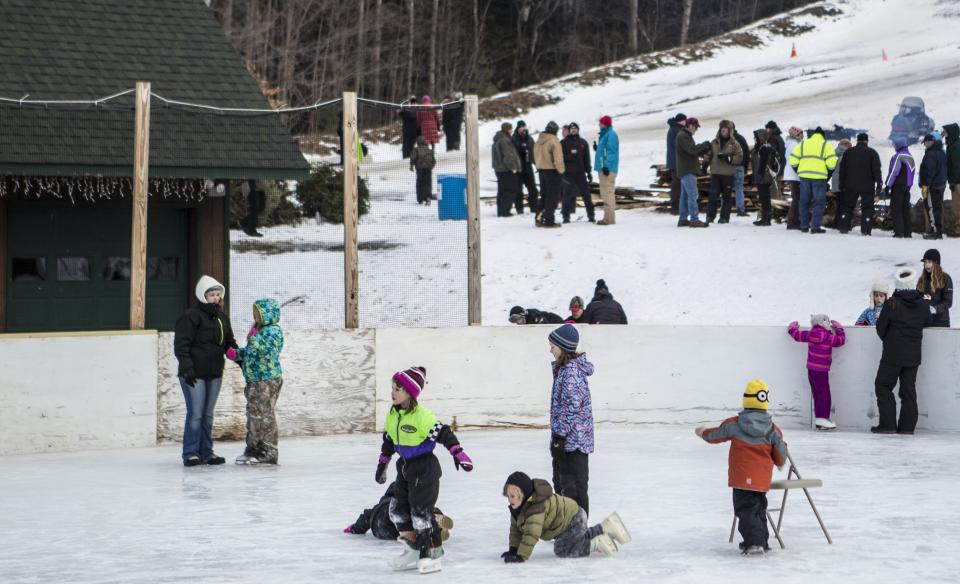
column 521, row 481
column 521, row 124
column 820, row 319
column 552, row 128
column 756, row 396
column 566, row 338
column 576, row 301
column 795, row 133
column 906, row 279
column 413, row 380
column 606, row 121
column 932, row 255
column 863, row 137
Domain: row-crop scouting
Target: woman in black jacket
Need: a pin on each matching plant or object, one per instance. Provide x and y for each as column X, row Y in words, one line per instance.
column 936, row 287
column 603, row 309
column 201, row 339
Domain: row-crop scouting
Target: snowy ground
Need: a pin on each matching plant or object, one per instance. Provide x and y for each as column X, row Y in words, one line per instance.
column 138, row 516
column 734, row 274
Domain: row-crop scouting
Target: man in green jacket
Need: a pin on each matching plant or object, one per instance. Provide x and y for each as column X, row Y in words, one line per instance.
column 688, row 167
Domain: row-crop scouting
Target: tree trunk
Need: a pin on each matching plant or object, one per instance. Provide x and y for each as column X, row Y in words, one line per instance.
column 358, row 50
column 377, row 39
column 632, row 26
column 432, row 83
column 685, row 28
column 410, row 31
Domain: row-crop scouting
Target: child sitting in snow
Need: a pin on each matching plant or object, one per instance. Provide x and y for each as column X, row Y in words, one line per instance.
column 823, row 336
column 878, row 295
column 377, row 520
column 756, row 445
column 537, row 513
column 412, row 431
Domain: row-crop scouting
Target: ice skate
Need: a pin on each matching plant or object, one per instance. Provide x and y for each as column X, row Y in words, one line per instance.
column 603, row 543
column 408, row 559
column 753, row 550
column 614, row 527
column 428, row 565
column 824, row 424
column 247, row 459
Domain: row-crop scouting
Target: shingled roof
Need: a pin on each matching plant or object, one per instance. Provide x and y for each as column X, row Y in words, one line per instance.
column 89, row 49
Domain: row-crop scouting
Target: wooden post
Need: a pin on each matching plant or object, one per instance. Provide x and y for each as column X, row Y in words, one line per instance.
column 473, row 209
column 351, row 272
column 138, row 251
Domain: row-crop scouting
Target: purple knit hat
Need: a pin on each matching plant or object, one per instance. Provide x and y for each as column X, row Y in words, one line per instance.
column 413, row 380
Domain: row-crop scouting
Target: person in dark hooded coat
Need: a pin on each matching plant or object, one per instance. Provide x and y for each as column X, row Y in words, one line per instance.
column 521, row 315
column 603, row 309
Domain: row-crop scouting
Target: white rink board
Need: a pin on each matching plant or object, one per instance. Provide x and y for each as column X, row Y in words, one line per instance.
column 61, row 392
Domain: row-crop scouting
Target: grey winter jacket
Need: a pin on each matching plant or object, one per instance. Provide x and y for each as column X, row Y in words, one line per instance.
column 505, row 156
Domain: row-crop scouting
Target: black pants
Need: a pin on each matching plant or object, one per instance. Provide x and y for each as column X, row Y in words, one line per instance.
column 721, row 188
column 887, row 376
column 507, row 192
column 750, row 507
column 866, row 211
column 424, row 184
column 550, row 185
column 674, row 193
column 846, row 203
column 763, row 191
column 793, row 214
column 453, row 139
column 571, row 476
column 900, row 209
column 576, row 185
column 256, row 203
column 933, row 205
column 409, row 140
column 527, row 180
column 418, row 487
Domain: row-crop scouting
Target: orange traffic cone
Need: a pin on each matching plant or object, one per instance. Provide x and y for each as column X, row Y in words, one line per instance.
column 793, row 51
column 883, row 53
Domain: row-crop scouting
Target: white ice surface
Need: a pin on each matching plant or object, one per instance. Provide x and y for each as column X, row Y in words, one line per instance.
column 138, row 516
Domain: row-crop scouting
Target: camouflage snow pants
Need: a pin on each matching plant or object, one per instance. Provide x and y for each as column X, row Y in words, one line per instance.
column 262, row 434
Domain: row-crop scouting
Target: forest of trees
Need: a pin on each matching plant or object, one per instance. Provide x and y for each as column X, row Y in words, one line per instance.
column 305, row 50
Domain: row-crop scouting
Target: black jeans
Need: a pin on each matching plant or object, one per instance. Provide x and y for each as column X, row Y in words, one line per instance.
column 793, row 214
column 933, row 205
column 900, row 209
column 721, row 187
column 550, row 185
column 527, row 180
column 507, row 192
column 887, row 376
column 571, row 476
column 424, row 184
column 846, row 203
column 750, row 507
column 866, row 212
column 763, row 191
column 576, row 185
column 674, row 192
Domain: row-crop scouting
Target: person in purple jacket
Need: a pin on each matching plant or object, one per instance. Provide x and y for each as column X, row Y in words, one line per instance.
column 823, row 336
column 899, row 181
column 571, row 416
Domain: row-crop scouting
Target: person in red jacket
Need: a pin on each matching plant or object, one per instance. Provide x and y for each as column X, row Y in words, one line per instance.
column 756, row 445
column 428, row 120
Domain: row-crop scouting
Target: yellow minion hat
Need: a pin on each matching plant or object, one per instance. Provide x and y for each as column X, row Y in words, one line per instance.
column 756, row 396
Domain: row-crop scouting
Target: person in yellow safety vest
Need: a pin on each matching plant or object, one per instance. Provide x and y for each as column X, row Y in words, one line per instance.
column 814, row 160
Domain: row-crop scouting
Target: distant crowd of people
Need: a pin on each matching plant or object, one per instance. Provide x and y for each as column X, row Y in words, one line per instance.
column 422, row 124
column 563, row 166
column 809, row 166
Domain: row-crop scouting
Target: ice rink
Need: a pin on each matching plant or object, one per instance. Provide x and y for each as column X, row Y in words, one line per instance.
column 138, row 516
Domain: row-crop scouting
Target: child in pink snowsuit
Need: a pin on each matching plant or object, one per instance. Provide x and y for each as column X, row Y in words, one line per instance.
column 823, row 336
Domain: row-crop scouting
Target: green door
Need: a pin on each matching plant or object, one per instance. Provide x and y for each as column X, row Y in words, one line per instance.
column 69, row 267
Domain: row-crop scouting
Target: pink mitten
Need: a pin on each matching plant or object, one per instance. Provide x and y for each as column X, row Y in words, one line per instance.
column 231, row 353
column 460, row 458
column 253, row 331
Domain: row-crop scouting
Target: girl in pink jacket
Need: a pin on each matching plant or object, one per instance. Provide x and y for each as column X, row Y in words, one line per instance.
column 823, row 336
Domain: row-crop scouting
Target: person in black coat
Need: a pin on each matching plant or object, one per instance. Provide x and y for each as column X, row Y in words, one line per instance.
column 452, row 122
column 936, row 286
column 861, row 177
column 377, row 520
column 603, row 309
column 520, row 315
column 674, row 125
column 201, row 338
column 524, row 144
column 409, row 129
column 775, row 139
column 738, row 178
column 900, row 326
column 577, row 174
column 933, row 181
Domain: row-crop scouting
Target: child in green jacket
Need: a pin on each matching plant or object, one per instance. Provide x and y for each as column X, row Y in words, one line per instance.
column 537, row 513
column 260, row 361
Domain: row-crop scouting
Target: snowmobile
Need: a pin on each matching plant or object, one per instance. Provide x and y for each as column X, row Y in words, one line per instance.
column 839, row 133
column 912, row 122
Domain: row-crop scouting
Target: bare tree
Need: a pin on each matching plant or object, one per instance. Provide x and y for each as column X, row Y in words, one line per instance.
column 685, row 28
column 361, row 45
column 432, row 66
column 632, row 21
column 410, row 35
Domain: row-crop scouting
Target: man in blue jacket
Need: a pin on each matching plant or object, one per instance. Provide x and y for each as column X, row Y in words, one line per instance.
column 933, row 181
column 606, row 162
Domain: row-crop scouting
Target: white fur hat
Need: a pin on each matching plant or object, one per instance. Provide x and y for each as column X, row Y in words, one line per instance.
column 906, row 278
column 881, row 287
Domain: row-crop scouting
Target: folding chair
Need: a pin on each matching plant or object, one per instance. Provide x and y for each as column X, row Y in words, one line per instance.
column 786, row 485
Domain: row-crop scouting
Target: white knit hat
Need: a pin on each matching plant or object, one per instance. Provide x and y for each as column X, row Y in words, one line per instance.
column 820, row 319
column 906, row 279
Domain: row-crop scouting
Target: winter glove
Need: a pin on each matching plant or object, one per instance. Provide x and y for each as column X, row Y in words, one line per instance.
column 594, row 145
column 512, row 559
column 191, row 380
column 605, row 171
column 381, row 476
column 348, row 529
column 725, row 158
column 231, row 353
column 557, row 444
column 460, row 458
column 511, row 552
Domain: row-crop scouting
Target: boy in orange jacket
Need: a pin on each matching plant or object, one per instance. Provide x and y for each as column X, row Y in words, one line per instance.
column 756, row 445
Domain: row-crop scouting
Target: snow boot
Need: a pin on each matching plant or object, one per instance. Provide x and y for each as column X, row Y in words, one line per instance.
column 603, row 543
column 214, row 460
column 683, row 223
column 408, row 559
column 698, row 223
column 753, row 550
column 614, row 527
column 192, row 460
column 882, row 430
column 824, row 424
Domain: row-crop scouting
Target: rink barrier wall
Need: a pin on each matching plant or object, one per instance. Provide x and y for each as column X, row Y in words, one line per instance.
column 66, row 391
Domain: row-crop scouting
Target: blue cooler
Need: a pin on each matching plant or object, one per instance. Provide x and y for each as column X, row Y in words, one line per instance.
column 453, row 197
